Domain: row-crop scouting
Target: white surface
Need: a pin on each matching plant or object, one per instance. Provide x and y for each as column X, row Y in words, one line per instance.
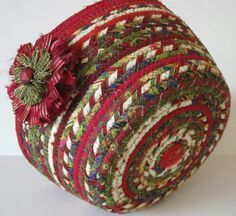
column 22, row 21
column 210, row 192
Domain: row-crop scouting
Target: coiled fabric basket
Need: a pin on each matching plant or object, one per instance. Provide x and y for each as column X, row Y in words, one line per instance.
column 119, row 104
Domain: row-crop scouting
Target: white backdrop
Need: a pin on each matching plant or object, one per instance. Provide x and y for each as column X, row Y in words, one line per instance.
column 22, row 21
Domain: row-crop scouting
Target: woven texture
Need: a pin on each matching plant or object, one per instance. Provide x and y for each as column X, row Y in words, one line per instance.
column 148, row 108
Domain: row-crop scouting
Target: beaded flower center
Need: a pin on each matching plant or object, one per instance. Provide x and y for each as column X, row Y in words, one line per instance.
column 31, row 75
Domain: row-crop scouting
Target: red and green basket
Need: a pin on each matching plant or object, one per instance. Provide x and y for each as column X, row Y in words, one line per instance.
column 119, row 104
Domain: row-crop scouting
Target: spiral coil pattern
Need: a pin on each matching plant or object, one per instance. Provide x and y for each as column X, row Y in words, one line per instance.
column 150, row 108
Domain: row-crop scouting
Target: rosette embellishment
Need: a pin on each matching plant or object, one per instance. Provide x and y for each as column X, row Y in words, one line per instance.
column 42, row 80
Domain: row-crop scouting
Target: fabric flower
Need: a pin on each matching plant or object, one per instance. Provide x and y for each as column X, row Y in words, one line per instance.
column 42, row 80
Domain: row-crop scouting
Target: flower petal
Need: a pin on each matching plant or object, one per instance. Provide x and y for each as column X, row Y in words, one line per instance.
column 58, row 48
column 25, row 49
column 44, row 42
